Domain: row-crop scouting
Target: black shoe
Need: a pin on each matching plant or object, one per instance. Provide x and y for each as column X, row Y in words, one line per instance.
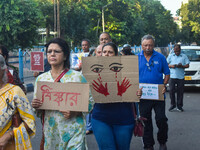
column 180, row 109
column 172, row 108
column 163, row 147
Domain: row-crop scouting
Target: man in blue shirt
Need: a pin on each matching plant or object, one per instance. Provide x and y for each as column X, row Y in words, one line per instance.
column 177, row 63
column 152, row 66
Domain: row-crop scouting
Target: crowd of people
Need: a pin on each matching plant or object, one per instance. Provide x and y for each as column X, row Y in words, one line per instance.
column 111, row 123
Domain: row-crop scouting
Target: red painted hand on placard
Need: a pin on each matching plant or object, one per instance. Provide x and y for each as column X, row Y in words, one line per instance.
column 100, row 88
column 123, row 87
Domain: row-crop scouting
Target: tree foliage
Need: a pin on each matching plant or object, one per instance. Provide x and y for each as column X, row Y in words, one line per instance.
column 126, row 20
column 19, row 23
column 190, row 13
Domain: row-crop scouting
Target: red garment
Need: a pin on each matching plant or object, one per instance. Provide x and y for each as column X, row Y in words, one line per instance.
column 10, row 77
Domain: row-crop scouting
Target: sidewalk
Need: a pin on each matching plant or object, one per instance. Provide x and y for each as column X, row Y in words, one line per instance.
column 29, row 80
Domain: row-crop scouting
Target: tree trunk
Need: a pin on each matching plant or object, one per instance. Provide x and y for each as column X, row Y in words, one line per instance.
column 54, row 4
column 58, row 18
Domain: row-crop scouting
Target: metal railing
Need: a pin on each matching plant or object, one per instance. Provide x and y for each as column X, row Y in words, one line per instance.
column 22, row 59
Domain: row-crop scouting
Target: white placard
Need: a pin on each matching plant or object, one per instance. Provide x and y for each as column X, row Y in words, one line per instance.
column 149, row 91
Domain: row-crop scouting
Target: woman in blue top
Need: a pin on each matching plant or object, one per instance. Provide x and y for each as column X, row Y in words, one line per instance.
column 113, row 123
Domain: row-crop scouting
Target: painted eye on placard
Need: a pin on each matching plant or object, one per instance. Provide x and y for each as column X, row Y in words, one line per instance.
column 116, row 68
column 97, row 70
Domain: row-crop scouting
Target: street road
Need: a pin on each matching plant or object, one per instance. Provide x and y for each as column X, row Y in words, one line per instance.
column 184, row 127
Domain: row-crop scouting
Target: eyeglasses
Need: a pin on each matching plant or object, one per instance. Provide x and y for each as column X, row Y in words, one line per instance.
column 149, row 65
column 54, row 51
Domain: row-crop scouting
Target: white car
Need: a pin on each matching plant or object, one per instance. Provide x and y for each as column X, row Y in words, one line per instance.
column 192, row 74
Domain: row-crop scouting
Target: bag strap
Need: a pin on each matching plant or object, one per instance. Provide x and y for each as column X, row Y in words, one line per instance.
column 136, row 110
column 61, row 75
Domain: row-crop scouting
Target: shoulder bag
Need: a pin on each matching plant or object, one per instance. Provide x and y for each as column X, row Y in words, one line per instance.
column 139, row 122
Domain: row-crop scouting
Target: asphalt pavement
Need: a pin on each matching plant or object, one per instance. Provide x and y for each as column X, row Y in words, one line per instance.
column 183, row 132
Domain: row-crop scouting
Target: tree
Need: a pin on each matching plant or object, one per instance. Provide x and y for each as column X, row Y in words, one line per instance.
column 47, row 9
column 158, row 22
column 190, row 13
column 126, row 20
column 19, row 23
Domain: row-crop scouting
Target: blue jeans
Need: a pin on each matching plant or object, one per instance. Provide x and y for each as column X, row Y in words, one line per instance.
column 112, row 137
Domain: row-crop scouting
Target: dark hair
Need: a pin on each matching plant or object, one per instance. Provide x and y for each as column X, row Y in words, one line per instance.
column 113, row 46
column 105, row 33
column 65, row 48
column 87, row 40
column 177, row 45
column 5, row 52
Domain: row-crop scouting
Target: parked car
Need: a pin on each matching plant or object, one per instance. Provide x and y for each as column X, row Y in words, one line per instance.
column 192, row 74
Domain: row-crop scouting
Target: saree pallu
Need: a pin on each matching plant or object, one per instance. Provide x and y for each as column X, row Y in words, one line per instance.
column 13, row 100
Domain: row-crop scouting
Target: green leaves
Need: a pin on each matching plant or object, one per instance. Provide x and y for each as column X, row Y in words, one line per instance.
column 7, row 27
column 126, row 20
column 19, row 22
column 190, row 13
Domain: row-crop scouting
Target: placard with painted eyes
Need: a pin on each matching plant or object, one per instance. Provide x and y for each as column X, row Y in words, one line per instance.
column 112, row 79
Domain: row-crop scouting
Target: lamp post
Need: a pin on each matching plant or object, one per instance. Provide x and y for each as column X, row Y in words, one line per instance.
column 103, row 16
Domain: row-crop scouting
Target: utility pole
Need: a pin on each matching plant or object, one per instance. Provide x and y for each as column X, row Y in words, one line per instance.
column 58, row 18
column 103, row 23
column 103, row 18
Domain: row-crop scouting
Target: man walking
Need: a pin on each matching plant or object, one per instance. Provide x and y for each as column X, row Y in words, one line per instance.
column 177, row 63
column 152, row 66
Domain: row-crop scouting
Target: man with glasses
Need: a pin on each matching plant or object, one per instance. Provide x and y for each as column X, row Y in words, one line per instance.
column 152, row 66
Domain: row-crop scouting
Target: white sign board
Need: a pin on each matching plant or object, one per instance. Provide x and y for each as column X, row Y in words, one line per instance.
column 149, row 91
